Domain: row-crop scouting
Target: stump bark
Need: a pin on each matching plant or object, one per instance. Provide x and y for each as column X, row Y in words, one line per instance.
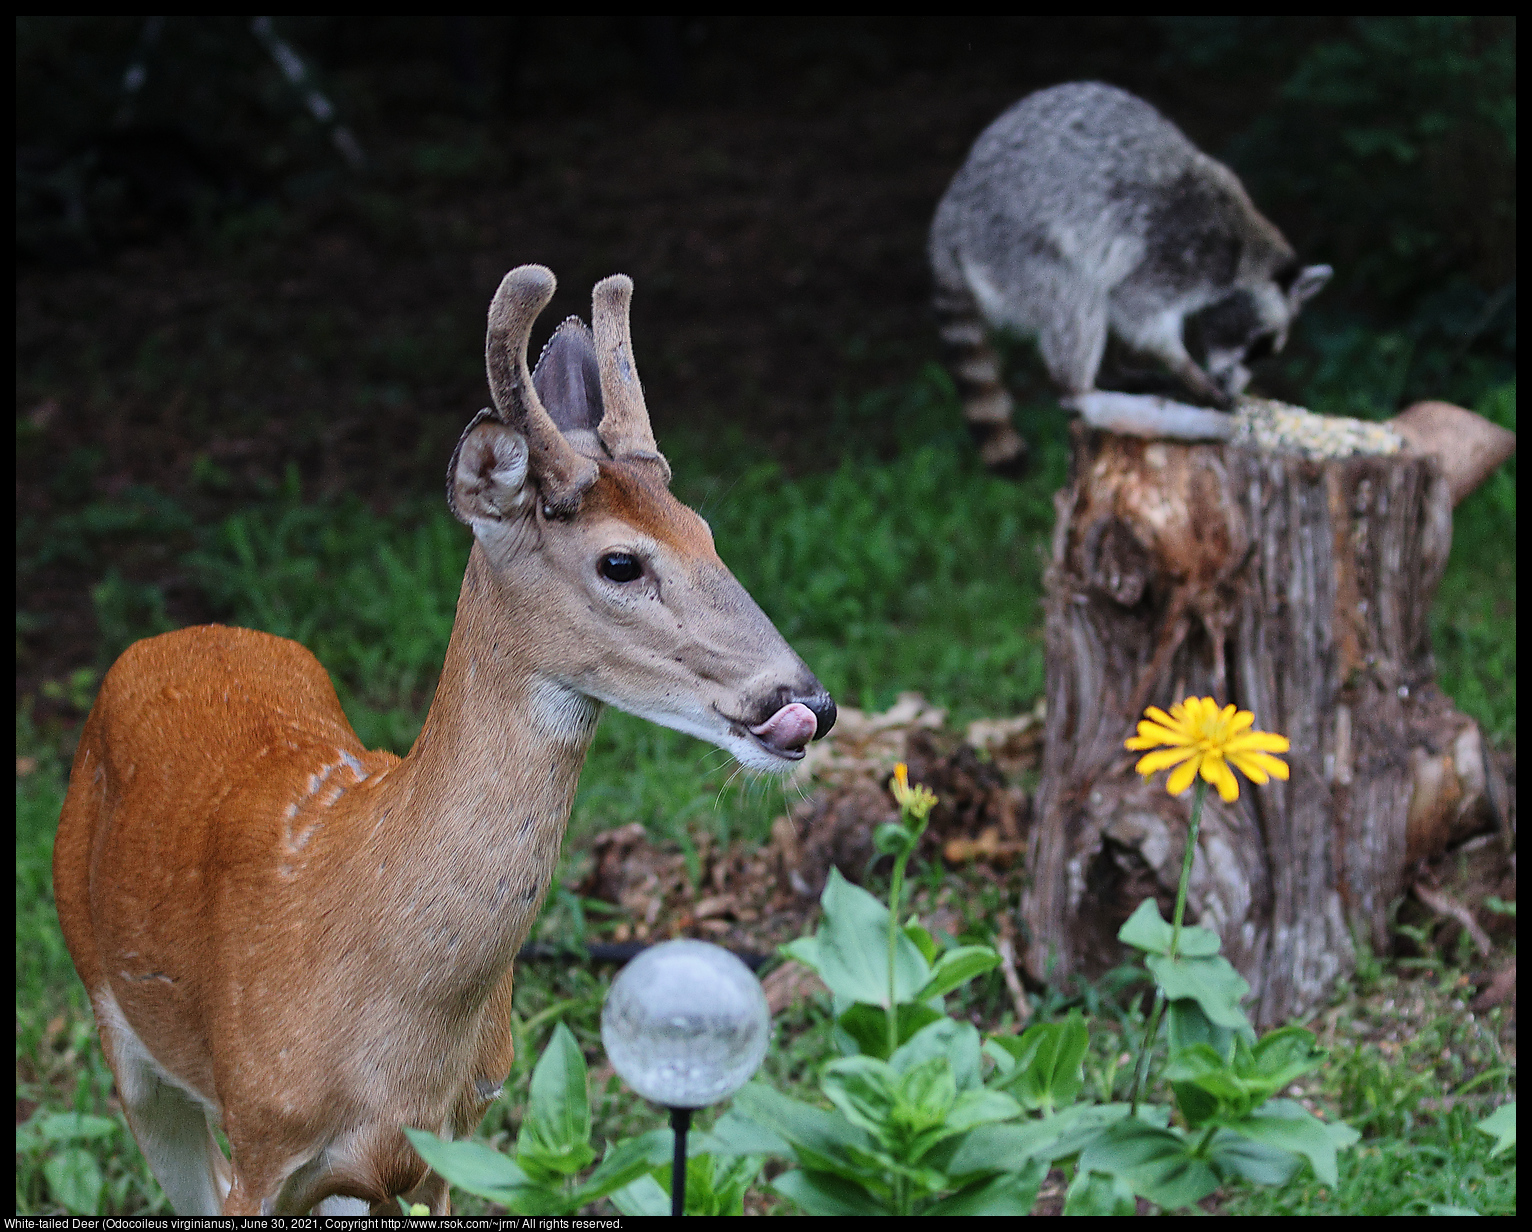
column 1299, row 590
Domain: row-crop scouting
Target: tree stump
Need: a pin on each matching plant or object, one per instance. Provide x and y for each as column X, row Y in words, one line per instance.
column 1299, row 590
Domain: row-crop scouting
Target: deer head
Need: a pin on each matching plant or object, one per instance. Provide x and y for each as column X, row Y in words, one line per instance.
column 610, row 583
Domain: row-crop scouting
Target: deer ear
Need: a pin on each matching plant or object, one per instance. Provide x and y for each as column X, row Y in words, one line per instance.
column 568, row 380
column 487, row 481
column 1310, row 281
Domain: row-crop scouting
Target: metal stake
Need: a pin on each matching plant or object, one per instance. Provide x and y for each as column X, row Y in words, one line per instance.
column 680, row 1122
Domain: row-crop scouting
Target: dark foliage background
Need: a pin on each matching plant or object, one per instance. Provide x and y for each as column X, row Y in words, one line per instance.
column 209, row 295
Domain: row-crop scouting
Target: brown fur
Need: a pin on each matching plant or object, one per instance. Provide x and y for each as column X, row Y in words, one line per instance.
column 311, row 943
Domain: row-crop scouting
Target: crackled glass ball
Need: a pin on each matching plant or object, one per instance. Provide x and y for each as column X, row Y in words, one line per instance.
column 685, row 1024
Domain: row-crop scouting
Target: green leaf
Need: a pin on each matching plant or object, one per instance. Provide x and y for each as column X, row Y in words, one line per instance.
column 1232, row 1155
column 956, row 967
column 556, row 1131
column 1157, row 1163
column 625, row 1161
column 927, row 1092
column 1008, row 1051
column 998, row 1148
column 1084, row 1123
column 1197, row 1105
column 957, row 1041
column 468, row 1164
column 1288, row 1125
column 892, row 839
column 644, row 1196
column 866, row 1091
column 713, row 1187
column 735, row 1134
column 73, row 1127
column 1098, row 1193
column 1147, row 930
column 1010, row 1193
column 804, row 950
column 477, row 1168
column 1186, row 1024
column 1052, row 1076
column 1205, row 1086
column 75, row 1181
column 1002, row 1147
column 1208, row 1087
column 1283, row 1055
column 923, row 942
column 867, row 1025
column 820, row 1193
column 1501, row 1125
column 821, row 1141
column 1212, row 982
column 980, row 1107
column 730, row 1179
column 853, row 947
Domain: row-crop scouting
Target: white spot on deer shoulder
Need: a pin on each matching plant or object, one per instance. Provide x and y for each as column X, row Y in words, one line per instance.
column 353, row 765
column 300, row 840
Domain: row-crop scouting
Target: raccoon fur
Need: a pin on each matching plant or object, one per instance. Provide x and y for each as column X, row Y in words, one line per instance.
column 1083, row 211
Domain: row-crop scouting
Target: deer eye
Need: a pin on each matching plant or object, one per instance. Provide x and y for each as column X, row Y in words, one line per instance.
column 619, row 567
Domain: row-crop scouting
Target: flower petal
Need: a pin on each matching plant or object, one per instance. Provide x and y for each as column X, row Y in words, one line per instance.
column 1183, row 776
column 1217, row 773
column 1259, row 763
column 1153, row 734
column 1268, row 742
column 1251, row 771
column 1174, row 727
column 1152, row 763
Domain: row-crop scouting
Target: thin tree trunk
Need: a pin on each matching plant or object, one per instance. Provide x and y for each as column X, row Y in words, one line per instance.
column 1299, row 590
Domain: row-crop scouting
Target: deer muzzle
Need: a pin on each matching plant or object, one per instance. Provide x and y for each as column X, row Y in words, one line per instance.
column 790, row 729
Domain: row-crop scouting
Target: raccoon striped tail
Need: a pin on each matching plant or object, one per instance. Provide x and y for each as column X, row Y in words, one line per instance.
column 975, row 366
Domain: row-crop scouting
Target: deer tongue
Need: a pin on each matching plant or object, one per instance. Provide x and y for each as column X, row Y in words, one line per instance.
column 788, row 730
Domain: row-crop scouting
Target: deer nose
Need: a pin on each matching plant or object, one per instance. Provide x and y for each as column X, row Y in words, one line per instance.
column 823, row 707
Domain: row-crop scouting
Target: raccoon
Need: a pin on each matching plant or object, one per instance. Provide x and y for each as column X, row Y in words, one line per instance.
column 1083, row 210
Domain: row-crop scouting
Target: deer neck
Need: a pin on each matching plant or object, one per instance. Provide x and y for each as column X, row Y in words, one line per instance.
column 470, row 824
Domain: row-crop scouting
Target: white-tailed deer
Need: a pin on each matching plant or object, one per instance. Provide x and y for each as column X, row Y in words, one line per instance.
column 309, row 944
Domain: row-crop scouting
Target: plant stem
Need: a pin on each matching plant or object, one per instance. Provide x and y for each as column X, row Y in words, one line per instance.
column 1186, row 868
column 1141, row 1070
column 895, row 893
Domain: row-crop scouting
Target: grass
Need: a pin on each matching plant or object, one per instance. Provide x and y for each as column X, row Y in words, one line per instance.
column 915, row 571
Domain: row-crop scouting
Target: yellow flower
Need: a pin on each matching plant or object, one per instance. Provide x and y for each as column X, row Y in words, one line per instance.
column 917, row 801
column 1205, row 739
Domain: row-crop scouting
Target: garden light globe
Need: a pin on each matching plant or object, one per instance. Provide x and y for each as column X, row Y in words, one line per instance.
column 685, row 1024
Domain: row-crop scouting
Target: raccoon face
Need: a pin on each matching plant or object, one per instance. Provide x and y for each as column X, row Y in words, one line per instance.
column 1250, row 324
column 1236, row 331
